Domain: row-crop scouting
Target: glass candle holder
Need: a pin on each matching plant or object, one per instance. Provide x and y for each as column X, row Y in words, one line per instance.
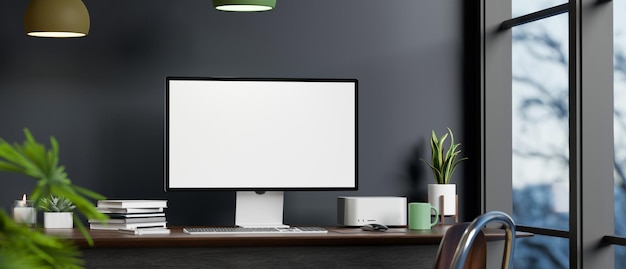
column 24, row 212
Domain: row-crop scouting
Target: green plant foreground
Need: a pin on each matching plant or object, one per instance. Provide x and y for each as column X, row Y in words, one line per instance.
column 443, row 163
column 22, row 247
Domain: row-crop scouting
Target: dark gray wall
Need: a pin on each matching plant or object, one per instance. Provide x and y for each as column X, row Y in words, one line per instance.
column 102, row 96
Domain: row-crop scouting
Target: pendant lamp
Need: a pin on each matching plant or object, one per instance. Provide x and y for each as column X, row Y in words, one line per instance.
column 244, row 5
column 56, row 18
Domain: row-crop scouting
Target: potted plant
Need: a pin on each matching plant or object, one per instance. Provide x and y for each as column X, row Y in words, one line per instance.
column 58, row 212
column 443, row 163
column 24, row 247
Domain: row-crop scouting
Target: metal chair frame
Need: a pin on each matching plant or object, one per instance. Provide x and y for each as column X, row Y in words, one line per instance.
column 460, row 255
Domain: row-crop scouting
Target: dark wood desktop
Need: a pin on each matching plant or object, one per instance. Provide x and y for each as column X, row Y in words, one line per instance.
column 339, row 248
column 336, row 236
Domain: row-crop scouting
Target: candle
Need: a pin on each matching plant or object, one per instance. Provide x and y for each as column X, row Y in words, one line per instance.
column 24, row 212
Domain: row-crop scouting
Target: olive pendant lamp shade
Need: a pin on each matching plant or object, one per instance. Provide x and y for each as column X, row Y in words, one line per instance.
column 244, row 5
column 56, row 18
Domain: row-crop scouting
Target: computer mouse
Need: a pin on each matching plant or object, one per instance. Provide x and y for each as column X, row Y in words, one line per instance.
column 374, row 227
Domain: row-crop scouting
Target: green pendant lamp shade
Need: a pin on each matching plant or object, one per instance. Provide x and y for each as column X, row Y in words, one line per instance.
column 56, row 18
column 244, row 5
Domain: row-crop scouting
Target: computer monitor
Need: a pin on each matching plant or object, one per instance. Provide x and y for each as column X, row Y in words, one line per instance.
column 260, row 137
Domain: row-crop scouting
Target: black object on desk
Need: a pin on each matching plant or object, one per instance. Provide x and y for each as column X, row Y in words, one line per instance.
column 374, row 227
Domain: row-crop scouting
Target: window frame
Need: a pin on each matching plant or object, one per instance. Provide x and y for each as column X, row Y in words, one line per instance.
column 590, row 122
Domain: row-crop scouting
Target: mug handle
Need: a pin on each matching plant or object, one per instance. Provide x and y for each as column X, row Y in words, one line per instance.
column 436, row 216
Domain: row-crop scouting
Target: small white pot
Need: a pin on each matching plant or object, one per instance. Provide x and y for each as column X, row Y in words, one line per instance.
column 449, row 198
column 57, row 220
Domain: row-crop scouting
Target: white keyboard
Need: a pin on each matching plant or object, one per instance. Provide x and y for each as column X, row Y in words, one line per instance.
column 246, row 230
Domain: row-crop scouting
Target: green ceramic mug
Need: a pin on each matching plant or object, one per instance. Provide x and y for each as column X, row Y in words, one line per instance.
column 420, row 216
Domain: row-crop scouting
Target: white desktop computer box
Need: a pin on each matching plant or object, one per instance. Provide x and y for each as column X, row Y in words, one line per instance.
column 358, row 211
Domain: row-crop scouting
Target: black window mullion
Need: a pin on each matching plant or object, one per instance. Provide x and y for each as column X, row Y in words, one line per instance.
column 542, row 14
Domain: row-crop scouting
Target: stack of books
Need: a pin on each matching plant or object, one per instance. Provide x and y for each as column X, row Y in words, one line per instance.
column 132, row 216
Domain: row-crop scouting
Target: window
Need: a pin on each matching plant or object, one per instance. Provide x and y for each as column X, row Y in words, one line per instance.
column 540, row 138
column 523, row 7
column 547, row 92
column 619, row 122
column 540, row 123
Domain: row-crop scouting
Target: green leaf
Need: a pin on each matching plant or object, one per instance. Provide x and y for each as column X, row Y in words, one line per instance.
column 443, row 162
column 23, row 246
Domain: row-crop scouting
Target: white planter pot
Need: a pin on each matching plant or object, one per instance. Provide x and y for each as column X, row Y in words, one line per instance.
column 435, row 191
column 57, row 220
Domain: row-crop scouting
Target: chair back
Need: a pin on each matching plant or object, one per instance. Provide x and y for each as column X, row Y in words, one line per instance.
column 477, row 255
column 470, row 248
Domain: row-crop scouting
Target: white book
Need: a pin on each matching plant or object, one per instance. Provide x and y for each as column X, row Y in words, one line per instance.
column 132, row 203
column 134, row 215
column 129, row 210
column 117, row 226
column 131, row 220
column 142, row 231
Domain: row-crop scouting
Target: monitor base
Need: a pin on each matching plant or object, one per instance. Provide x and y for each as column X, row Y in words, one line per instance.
column 259, row 209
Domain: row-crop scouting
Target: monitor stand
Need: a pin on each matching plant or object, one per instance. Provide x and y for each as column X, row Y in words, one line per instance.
column 259, row 209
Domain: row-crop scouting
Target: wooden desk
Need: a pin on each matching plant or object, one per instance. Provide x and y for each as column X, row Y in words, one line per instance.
column 334, row 237
column 340, row 248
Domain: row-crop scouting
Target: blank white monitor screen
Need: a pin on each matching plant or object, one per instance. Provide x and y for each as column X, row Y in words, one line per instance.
column 261, row 134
